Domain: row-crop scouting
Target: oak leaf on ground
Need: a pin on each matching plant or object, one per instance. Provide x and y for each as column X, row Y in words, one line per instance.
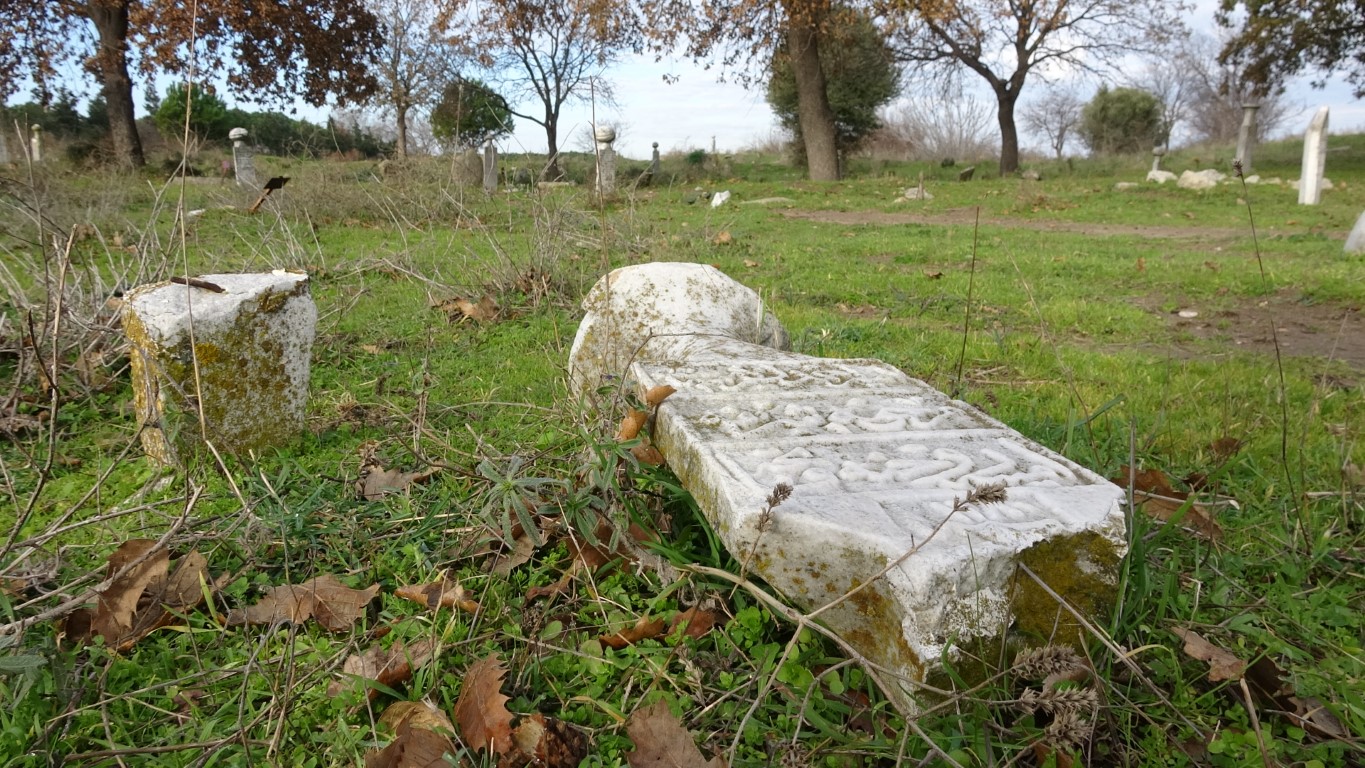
column 442, row 593
column 481, row 710
column 332, row 604
column 421, row 737
column 387, row 667
column 662, row 742
column 1223, row 665
column 1153, row 494
column 644, row 629
column 143, row 599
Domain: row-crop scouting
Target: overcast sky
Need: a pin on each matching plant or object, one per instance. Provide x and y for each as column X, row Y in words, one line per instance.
column 687, row 114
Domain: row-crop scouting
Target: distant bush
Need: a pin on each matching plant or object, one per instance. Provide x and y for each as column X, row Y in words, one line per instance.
column 1121, row 121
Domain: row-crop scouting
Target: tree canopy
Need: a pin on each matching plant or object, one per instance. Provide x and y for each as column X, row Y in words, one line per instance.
column 266, row 50
column 1004, row 41
column 1277, row 39
column 860, row 77
column 1121, row 121
column 208, row 119
column 414, row 63
column 470, row 113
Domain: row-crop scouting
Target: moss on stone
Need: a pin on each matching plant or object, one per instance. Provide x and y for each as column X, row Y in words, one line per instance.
column 1082, row 569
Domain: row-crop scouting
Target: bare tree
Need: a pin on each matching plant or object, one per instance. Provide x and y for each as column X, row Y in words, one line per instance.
column 1004, row 41
column 1055, row 115
column 414, row 62
column 1220, row 90
column 939, row 123
column 546, row 53
column 1169, row 77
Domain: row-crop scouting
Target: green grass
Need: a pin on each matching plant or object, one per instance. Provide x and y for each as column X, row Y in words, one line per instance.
column 1071, row 338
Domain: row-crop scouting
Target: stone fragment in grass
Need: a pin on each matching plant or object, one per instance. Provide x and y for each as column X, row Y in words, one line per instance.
column 1205, row 179
column 1355, row 242
column 876, row 462
column 1161, row 177
column 236, row 345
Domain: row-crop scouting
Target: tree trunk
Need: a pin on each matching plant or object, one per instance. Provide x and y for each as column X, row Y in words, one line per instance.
column 1009, row 134
column 552, row 172
column 401, row 117
column 812, row 101
column 111, row 24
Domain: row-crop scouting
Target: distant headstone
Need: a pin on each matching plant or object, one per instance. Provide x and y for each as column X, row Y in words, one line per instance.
column 245, row 368
column 654, row 161
column 1355, row 242
column 966, row 173
column 1247, row 136
column 1158, row 152
column 35, row 144
column 466, row 169
column 606, row 160
column 243, row 159
column 1314, row 159
column 490, row 168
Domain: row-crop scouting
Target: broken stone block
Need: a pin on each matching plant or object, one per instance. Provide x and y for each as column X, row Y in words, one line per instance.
column 878, row 533
column 239, row 346
column 1161, row 177
column 1205, row 179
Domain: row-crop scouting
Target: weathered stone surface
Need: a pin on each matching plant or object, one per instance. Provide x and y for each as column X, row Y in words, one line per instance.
column 1205, row 179
column 252, row 343
column 875, row 461
column 1161, row 177
column 1355, row 242
column 1314, row 159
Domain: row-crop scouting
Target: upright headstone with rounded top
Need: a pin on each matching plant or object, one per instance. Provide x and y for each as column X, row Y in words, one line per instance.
column 1314, row 159
column 243, row 159
column 606, row 159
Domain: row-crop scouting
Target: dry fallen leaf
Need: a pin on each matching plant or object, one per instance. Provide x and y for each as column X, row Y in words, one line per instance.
column 458, row 309
column 647, row 454
column 377, row 482
column 1153, row 494
column 545, row 741
column 421, row 739
column 631, row 425
column 558, row 588
column 662, row 742
column 481, row 710
column 656, row 395
column 442, row 593
column 142, row 600
column 934, row 275
column 644, row 629
column 723, row 238
column 332, row 604
column 694, row 621
column 388, row 668
column 523, row 546
column 750, row 263
column 1223, row 665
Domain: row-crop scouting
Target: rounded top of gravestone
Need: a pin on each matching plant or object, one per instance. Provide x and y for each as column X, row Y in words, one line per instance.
column 237, row 134
column 605, row 134
column 37, row 128
column 1251, row 105
column 656, row 145
column 1158, row 150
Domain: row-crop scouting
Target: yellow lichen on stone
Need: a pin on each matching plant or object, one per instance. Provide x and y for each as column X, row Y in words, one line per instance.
column 1082, row 570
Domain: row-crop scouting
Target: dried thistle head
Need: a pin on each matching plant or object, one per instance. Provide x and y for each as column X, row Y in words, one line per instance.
column 781, row 492
column 990, row 493
column 1038, row 663
column 1067, row 732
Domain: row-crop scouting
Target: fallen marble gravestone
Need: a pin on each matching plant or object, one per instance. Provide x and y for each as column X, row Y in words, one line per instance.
column 879, row 467
column 237, row 346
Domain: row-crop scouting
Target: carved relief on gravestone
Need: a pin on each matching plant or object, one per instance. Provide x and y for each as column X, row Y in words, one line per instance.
column 874, row 461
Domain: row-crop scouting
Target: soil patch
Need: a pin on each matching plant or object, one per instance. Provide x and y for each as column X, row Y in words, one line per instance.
column 1319, row 330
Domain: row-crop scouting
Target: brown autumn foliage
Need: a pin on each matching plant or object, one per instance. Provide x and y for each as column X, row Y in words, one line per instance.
column 1153, row 494
column 324, row 599
column 307, row 48
column 486, row 725
column 388, row 667
column 144, row 598
column 421, row 737
column 442, row 593
column 662, row 742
